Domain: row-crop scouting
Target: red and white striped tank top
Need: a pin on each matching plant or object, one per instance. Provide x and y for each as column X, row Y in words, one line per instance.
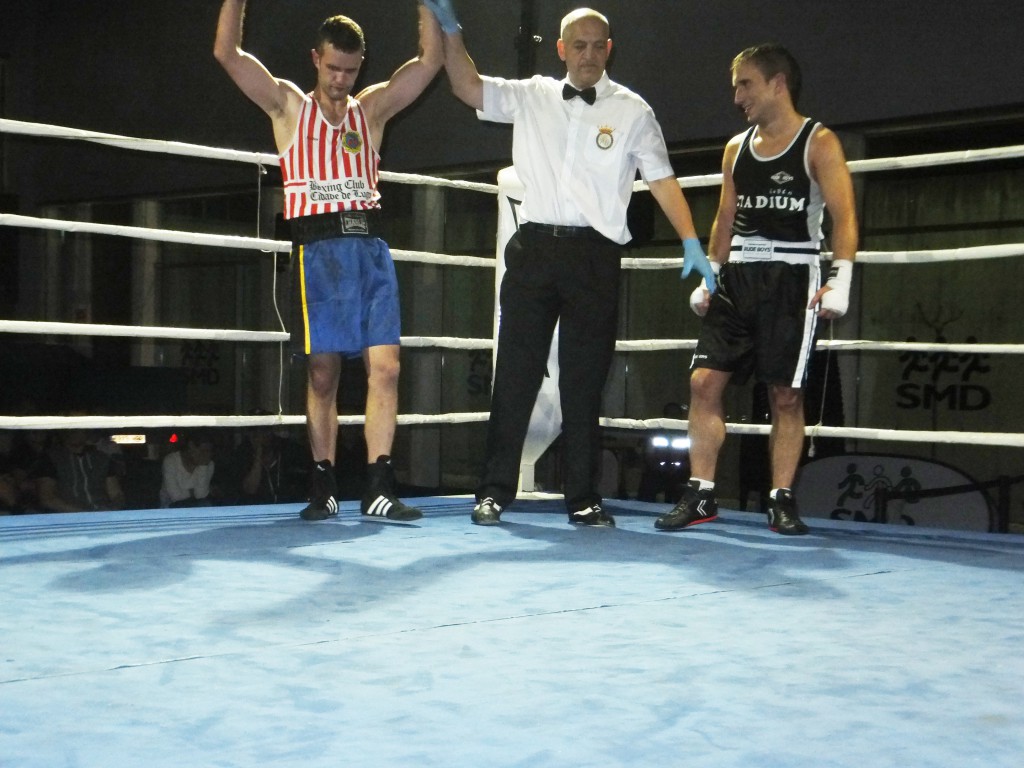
column 329, row 168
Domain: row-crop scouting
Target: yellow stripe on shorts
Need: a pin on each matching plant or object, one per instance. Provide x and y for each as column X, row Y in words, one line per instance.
column 305, row 313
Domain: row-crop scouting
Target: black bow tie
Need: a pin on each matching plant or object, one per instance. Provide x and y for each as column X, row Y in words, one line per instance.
column 589, row 95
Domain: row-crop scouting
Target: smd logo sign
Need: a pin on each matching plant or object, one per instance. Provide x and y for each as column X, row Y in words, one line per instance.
column 847, row 488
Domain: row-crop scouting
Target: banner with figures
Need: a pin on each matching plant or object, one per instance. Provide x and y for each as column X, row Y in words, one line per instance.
column 847, row 487
column 546, row 420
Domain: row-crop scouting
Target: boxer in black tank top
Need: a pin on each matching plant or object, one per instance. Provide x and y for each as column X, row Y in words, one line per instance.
column 777, row 178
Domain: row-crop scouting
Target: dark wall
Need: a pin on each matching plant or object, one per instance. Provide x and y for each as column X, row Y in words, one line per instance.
column 146, row 69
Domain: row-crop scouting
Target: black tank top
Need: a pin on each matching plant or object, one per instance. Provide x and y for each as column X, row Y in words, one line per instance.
column 775, row 197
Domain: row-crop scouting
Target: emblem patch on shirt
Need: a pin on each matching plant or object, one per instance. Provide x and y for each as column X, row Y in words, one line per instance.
column 782, row 178
column 604, row 137
column 352, row 141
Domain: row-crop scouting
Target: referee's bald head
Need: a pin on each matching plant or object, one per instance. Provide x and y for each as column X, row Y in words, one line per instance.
column 583, row 13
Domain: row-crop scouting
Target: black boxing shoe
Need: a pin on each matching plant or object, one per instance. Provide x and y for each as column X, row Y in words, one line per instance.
column 379, row 501
column 696, row 506
column 387, row 507
column 782, row 515
column 323, row 493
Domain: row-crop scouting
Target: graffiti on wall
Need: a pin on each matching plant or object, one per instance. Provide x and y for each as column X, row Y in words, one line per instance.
column 950, row 381
column 943, row 380
column 201, row 362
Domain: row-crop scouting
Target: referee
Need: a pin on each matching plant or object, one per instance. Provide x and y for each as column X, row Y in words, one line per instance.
column 577, row 145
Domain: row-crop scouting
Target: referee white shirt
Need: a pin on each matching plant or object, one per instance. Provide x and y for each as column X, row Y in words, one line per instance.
column 577, row 161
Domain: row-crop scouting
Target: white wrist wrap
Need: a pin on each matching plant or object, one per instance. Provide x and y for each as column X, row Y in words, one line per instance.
column 838, row 299
column 700, row 298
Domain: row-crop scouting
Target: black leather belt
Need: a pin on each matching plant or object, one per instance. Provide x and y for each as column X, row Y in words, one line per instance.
column 562, row 230
column 326, row 226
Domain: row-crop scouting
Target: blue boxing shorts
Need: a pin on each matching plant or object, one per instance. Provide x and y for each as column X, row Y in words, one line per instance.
column 346, row 296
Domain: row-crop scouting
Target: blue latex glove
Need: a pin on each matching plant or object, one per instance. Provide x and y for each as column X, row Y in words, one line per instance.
column 445, row 14
column 694, row 258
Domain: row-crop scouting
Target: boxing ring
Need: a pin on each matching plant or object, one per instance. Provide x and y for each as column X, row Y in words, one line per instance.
column 244, row 636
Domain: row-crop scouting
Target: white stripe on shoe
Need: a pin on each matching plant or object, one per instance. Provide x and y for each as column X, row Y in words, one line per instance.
column 379, row 507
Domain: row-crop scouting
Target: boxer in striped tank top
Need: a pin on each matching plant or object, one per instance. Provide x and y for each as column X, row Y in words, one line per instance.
column 347, row 293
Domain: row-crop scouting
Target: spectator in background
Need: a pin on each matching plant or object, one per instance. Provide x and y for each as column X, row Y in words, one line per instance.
column 104, row 443
column 188, row 472
column 8, row 488
column 27, row 452
column 73, row 476
column 268, row 468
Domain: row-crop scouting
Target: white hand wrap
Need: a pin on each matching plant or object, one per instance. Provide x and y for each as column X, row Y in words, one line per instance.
column 700, row 298
column 837, row 300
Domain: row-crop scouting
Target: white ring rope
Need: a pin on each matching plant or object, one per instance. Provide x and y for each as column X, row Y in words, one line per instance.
column 278, row 246
column 1005, row 439
column 448, row 342
column 207, row 334
column 209, row 153
column 146, row 233
column 427, row 257
column 192, row 422
column 265, row 158
column 457, row 342
column 843, row 345
column 138, row 331
column 220, row 241
column 933, row 256
column 945, row 254
column 882, row 164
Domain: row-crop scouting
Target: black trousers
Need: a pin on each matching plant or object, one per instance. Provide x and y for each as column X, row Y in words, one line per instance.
column 550, row 279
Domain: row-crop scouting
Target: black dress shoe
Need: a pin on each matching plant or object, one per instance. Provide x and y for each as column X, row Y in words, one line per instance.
column 486, row 512
column 592, row 516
